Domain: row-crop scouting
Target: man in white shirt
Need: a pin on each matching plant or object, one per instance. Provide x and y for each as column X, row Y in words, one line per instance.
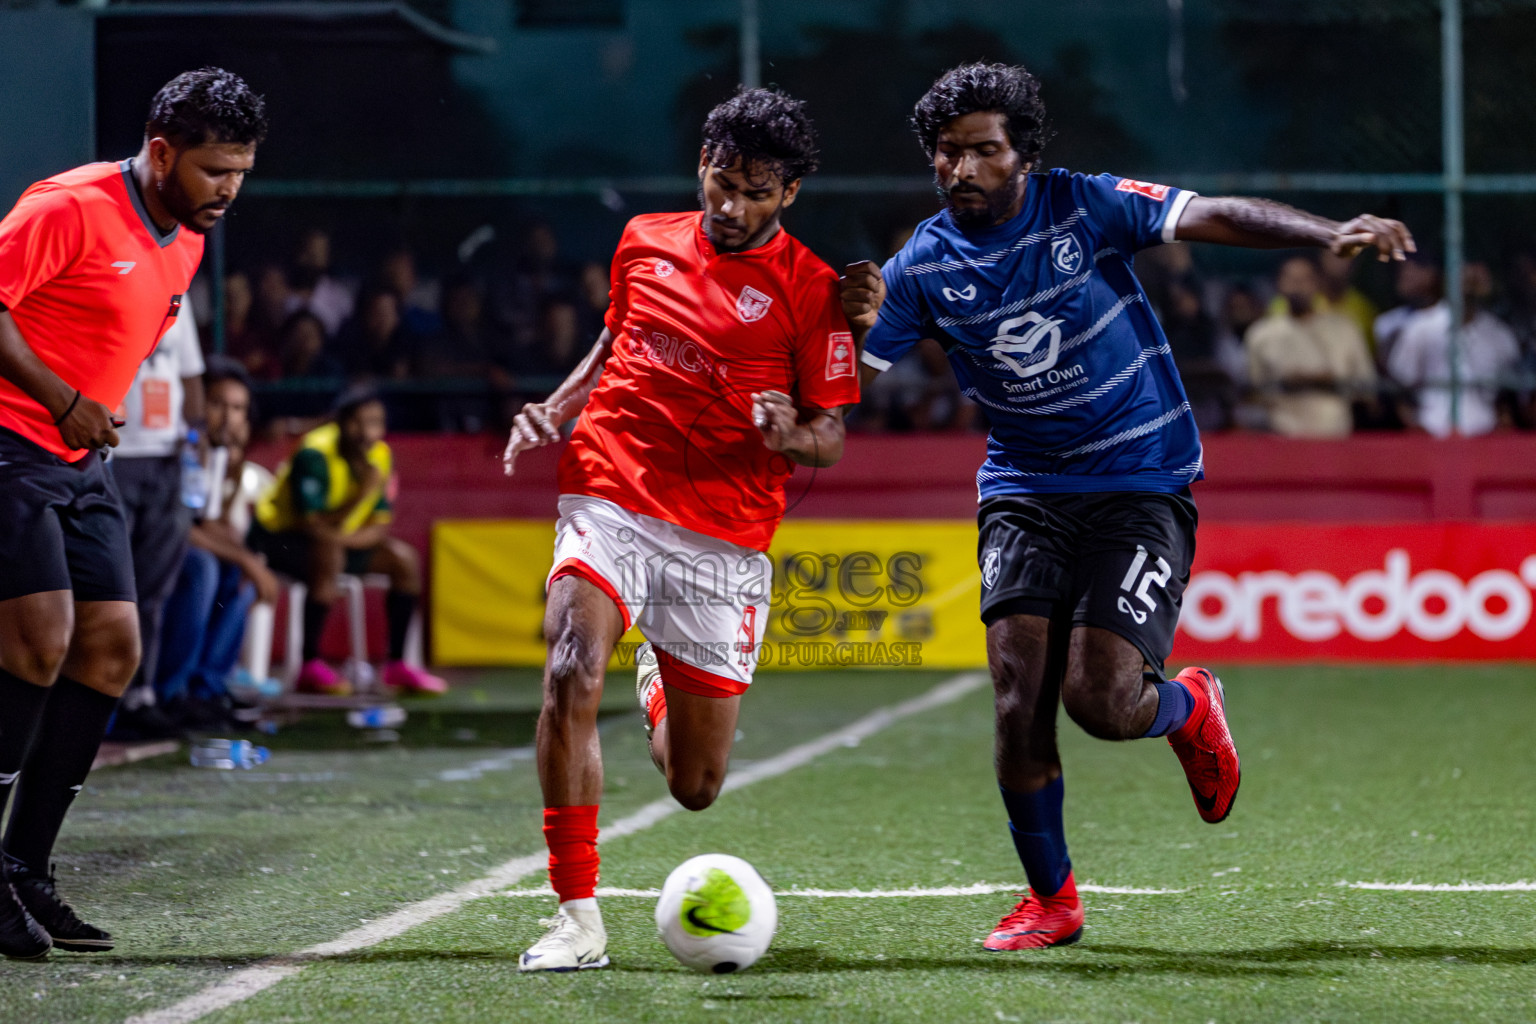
column 1308, row 365
column 166, row 398
column 1421, row 362
column 220, row 577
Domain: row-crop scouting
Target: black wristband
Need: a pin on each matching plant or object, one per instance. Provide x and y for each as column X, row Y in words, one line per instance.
column 65, row 414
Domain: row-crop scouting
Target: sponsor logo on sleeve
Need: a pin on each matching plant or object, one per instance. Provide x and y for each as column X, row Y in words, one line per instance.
column 1146, row 188
column 752, row 305
column 664, row 268
column 839, row 355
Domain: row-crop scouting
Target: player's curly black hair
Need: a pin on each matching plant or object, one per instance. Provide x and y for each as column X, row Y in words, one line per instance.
column 766, row 128
column 1006, row 89
column 207, row 105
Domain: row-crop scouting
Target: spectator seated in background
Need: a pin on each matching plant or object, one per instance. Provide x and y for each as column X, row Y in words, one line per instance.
column 220, row 576
column 468, row 347
column 1418, row 287
column 302, row 355
column 1421, row 362
column 329, row 513
column 1191, row 334
column 1337, row 294
column 418, row 298
column 248, row 338
column 1308, row 365
column 313, row 288
column 375, row 343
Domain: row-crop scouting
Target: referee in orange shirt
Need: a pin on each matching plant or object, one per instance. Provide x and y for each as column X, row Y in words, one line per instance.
column 93, row 265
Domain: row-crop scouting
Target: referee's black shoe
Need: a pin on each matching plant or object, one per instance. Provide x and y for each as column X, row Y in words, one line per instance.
column 41, row 899
column 21, row 937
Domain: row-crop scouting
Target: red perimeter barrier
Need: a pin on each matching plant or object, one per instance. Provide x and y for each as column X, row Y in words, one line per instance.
column 1249, row 477
column 1379, row 546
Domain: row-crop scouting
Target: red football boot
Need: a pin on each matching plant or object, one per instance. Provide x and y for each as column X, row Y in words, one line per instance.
column 1036, row 922
column 1205, row 747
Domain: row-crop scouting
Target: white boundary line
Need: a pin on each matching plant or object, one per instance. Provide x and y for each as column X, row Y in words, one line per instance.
column 249, row 981
column 978, row 889
column 1443, row 886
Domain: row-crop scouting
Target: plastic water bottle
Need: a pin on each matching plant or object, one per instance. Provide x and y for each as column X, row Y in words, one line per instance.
column 386, row 716
column 194, row 479
column 228, row 754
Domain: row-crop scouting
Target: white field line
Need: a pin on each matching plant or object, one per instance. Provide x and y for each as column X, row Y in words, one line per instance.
column 1443, row 886
column 249, row 981
column 978, row 889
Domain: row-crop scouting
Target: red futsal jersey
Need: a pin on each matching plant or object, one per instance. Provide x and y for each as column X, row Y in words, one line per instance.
column 91, row 284
column 668, row 431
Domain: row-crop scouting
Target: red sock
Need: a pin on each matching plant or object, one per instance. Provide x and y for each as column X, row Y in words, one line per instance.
column 1066, row 894
column 571, row 835
column 656, row 707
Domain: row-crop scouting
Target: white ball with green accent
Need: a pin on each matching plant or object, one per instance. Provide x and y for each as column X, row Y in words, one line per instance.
column 716, row 914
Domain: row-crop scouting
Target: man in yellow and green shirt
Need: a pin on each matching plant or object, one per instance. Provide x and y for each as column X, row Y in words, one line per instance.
column 329, row 512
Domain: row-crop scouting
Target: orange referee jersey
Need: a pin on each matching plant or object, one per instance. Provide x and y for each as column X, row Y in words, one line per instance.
column 91, row 284
column 668, row 431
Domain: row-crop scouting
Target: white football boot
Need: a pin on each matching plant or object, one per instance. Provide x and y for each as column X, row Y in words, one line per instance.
column 647, row 678
column 576, row 941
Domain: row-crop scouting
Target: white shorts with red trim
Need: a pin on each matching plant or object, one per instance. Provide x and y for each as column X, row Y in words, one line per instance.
column 702, row 602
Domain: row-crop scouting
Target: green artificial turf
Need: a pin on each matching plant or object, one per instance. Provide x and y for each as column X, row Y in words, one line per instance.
column 1372, row 774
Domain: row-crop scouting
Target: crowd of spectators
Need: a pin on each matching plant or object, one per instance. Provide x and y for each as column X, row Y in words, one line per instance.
column 458, row 352
column 1301, row 352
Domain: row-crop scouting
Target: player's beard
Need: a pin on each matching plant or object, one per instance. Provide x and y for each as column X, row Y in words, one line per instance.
column 747, row 241
column 180, row 206
column 997, row 204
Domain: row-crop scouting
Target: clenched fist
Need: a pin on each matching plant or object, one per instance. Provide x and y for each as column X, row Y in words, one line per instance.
column 863, row 290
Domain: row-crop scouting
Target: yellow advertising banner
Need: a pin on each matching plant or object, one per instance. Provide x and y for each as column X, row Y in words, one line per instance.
column 846, row 593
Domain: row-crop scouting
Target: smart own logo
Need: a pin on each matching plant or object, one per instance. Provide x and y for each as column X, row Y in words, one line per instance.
column 1019, row 342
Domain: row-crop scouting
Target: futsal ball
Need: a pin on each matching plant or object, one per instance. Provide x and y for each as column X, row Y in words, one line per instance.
column 716, row 914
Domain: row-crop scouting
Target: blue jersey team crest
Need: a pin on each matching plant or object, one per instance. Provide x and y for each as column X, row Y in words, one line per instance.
column 1049, row 331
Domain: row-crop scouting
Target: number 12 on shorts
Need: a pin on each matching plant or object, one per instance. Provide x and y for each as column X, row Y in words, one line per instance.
column 1158, row 576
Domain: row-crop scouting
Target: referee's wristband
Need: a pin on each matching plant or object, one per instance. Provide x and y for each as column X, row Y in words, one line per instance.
column 72, row 403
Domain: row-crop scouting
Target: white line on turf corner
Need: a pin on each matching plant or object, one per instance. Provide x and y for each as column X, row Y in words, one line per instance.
column 249, row 981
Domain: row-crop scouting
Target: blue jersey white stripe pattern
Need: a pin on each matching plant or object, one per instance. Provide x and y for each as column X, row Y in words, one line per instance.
column 1049, row 331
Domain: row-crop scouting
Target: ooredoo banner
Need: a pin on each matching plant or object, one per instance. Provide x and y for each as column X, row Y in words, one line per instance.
column 1292, row 592
column 904, row 593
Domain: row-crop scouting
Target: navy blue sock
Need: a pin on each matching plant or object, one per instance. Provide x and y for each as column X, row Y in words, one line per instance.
column 1174, row 706
column 1034, row 820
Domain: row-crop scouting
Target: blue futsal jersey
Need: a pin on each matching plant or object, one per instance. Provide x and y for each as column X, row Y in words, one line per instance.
column 1049, row 331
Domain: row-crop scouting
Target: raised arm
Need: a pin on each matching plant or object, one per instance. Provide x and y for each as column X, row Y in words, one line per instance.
column 82, row 422
column 1265, row 224
column 539, row 423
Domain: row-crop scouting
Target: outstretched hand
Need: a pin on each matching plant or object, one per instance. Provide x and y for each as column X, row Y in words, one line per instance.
column 533, row 427
column 1390, row 238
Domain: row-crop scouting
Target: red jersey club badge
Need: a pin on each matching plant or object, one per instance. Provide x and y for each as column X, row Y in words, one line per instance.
column 752, row 305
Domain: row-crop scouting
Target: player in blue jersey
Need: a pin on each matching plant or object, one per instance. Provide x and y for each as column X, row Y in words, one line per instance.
column 1087, row 528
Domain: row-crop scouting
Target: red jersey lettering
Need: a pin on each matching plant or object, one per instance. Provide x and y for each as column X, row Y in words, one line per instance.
column 91, row 285
column 668, row 432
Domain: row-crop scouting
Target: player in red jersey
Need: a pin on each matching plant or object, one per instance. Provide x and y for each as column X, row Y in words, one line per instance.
column 729, row 353
column 93, row 265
